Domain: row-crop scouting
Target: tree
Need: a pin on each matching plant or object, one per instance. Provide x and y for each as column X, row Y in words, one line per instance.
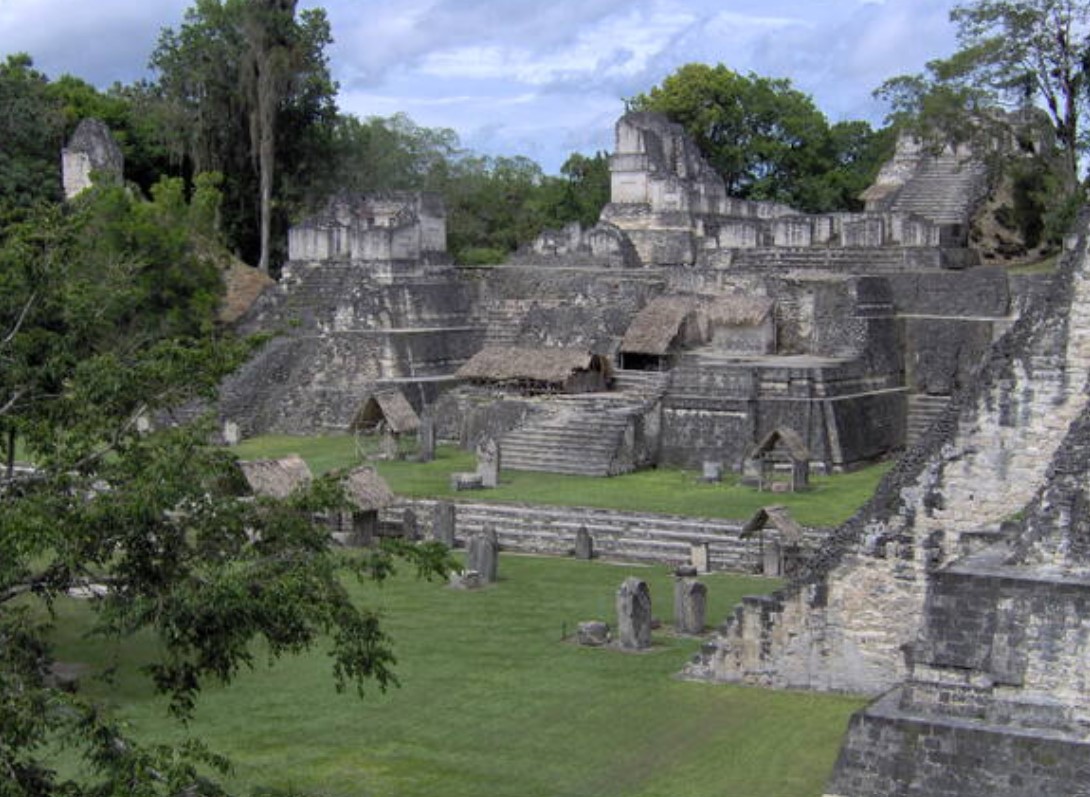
column 246, row 91
column 1014, row 52
column 31, row 129
column 92, row 339
column 766, row 139
column 579, row 194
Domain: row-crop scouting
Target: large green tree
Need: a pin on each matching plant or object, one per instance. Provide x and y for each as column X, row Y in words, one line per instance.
column 246, row 91
column 1027, row 50
column 31, row 132
column 105, row 318
column 765, row 138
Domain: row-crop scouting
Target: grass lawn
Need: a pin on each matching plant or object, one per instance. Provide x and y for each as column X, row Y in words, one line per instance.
column 832, row 500
column 494, row 703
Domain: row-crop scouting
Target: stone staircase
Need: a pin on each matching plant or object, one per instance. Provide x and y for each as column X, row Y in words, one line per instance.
column 588, row 434
column 944, row 190
column 923, row 410
column 641, row 385
column 581, row 439
column 620, row 536
column 854, row 260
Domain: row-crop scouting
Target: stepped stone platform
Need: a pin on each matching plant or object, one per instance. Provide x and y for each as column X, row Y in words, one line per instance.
column 923, row 412
column 961, row 592
column 845, row 260
column 590, row 434
column 944, row 189
column 621, row 536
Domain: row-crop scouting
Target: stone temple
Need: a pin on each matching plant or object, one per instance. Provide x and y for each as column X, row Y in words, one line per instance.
column 685, row 326
column 688, row 326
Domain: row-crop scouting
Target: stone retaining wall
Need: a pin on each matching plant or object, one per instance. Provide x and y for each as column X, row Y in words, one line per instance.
column 623, row 536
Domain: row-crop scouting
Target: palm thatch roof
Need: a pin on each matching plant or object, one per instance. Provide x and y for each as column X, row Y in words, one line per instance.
column 390, row 406
column 520, row 363
column 366, row 490
column 790, row 440
column 776, row 517
column 275, row 478
column 657, row 325
column 737, row 311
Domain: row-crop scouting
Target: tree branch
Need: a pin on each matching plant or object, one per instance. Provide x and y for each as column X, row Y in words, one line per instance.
column 19, row 321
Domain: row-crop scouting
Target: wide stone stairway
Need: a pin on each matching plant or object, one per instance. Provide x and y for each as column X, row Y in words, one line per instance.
column 944, row 190
column 923, row 410
column 591, row 434
column 852, row 260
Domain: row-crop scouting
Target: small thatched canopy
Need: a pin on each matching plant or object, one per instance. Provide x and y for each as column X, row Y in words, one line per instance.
column 276, row 478
column 775, row 517
column 737, row 311
column 551, row 366
column 389, row 406
column 366, row 490
column 657, row 325
column 789, row 438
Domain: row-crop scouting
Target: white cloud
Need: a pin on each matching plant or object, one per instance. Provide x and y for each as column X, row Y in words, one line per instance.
column 526, row 75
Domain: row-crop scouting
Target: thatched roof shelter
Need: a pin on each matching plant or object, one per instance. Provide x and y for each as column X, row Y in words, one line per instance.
column 389, row 406
column 366, row 490
column 737, row 311
column 775, row 517
column 790, row 440
column 658, row 325
column 276, row 478
column 552, row 366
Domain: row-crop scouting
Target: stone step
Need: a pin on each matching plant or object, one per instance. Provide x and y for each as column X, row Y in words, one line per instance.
column 923, row 411
column 626, row 536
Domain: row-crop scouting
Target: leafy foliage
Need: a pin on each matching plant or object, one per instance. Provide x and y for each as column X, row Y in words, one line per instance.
column 31, row 132
column 245, row 89
column 766, row 139
column 106, row 319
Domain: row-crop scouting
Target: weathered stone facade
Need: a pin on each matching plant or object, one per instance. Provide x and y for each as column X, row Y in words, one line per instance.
column 964, row 583
column 92, row 151
column 851, row 325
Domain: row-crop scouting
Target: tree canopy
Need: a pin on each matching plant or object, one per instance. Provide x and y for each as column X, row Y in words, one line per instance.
column 767, row 139
column 245, row 89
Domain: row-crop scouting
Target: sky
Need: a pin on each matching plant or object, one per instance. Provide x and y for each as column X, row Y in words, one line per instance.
column 541, row 78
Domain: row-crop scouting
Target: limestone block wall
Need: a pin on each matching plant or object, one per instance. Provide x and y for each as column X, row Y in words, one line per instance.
column 623, row 536
column 892, row 752
column 845, row 624
column 341, row 334
column 574, row 308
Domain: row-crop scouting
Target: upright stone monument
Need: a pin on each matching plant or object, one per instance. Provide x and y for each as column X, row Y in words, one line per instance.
column 425, row 436
column 772, row 558
column 690, row 601
column 482, row 555
column 388, row 446
column 584, row 544
column 410, row 527
column 713, row 472
column 700, row 556
column 488, row 462
column 634, row 614
column 442, row 523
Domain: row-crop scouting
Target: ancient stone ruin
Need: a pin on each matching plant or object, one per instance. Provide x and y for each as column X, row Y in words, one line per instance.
column 91, row 153
column 689, row 327
column 634, row 614
column 690, row 603
column 482, row 555
column 960, row 593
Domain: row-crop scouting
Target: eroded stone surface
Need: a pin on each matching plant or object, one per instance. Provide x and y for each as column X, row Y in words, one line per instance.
column 634, row 614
